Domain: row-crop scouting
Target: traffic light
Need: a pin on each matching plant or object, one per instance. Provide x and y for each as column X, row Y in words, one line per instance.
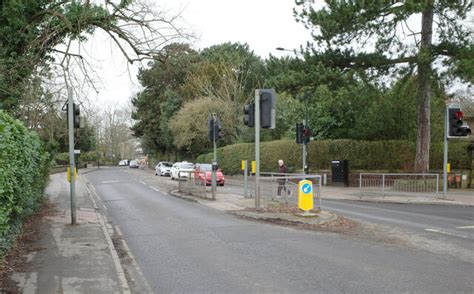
column 456, row 126
column 299, row 133
column 210, row 128
column 214, row 128
column 306, row 135
column 217, row 128
column 267, row 108
column 76, row 112
column 249, row 115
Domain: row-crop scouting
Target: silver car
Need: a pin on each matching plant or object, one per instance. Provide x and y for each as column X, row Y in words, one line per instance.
column 134, row 164
column 186, row 169
column 163, row 168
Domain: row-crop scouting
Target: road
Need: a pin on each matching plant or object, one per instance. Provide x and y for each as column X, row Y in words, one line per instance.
column 430, row 220
column 183, row 246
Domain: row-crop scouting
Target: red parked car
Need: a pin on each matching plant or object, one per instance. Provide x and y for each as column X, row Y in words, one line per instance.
column 202, row 172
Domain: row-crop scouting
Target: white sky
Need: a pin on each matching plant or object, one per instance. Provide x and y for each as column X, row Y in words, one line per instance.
column 263, row 24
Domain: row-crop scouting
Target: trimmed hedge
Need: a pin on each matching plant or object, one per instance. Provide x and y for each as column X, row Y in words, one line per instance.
column 24, row 169
column 362, row 155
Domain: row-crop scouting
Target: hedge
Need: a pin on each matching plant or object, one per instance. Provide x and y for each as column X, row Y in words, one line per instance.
column 362, row 155
column 24, row 169
column 63, row 158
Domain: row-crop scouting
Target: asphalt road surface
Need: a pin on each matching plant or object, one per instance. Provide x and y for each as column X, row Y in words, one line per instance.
column 430, row 220
column 186, row 247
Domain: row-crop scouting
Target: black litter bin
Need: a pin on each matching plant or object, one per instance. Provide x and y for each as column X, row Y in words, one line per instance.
column 340, row 173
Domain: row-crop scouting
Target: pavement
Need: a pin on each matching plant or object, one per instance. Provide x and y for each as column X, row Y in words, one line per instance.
column 453, row 197
column 78, row 258
column 231, row 198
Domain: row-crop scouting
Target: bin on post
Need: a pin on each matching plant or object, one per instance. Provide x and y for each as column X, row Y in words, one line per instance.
column 340, row 173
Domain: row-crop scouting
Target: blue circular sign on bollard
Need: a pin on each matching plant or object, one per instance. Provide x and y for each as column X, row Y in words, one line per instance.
column 306, row 188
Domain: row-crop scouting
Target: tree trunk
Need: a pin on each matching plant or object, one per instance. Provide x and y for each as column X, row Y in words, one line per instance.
column 423, row 140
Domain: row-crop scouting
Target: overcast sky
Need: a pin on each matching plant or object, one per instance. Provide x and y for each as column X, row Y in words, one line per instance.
column 263, row 24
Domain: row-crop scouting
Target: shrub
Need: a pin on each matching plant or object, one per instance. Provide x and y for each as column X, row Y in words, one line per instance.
column 24, row 168
column 365, row 155
column 88, row 156
column 62, row 158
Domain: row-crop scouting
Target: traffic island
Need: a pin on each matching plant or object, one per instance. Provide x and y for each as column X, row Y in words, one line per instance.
column 187, row 196
column 290, row 215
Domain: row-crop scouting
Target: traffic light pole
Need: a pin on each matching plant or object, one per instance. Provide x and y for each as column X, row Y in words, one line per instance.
column 70, row 114
column 445, row 158
column 214, row 161
column 257, row 148
column 304, row 156
column 305, row 152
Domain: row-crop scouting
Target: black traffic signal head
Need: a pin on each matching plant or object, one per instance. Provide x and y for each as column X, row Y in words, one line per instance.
column 249, row 115
column 214, row 128
column 267, row 108
column 299, row 133
column 217, row 128
column 210, row 128
column 76, row 115
column 306, row 134
column 456, row 126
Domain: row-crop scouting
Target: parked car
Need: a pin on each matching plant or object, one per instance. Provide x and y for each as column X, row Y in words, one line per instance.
column 184, row 166
column 203, row 172
column 163, row 168
column 133, row 164
column 123, row 162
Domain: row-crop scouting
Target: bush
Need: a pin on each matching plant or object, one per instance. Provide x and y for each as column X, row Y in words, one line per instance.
column 365, row 155
column 24, row 169
column 88, row 156
column 62, row 158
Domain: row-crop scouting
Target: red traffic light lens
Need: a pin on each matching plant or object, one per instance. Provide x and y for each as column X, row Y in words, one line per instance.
column 459, row 115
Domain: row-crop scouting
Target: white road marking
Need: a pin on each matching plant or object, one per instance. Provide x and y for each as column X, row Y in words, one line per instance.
column 108, row 182
column 445, row 233
column 156, row 189
column 465, row 227
column 142, row 182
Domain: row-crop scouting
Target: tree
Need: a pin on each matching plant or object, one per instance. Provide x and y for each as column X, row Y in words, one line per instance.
column 162, row 96
column 248, row 68
column 32, row 30
column 378, row 34
column 229, row 73
column 189, row 124
column 113, row 135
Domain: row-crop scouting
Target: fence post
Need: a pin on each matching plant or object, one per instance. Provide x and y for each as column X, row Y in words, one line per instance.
column 319, row 193
column 383, row 185
column 360, row 185
column 246, row 181
column 437, row 185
